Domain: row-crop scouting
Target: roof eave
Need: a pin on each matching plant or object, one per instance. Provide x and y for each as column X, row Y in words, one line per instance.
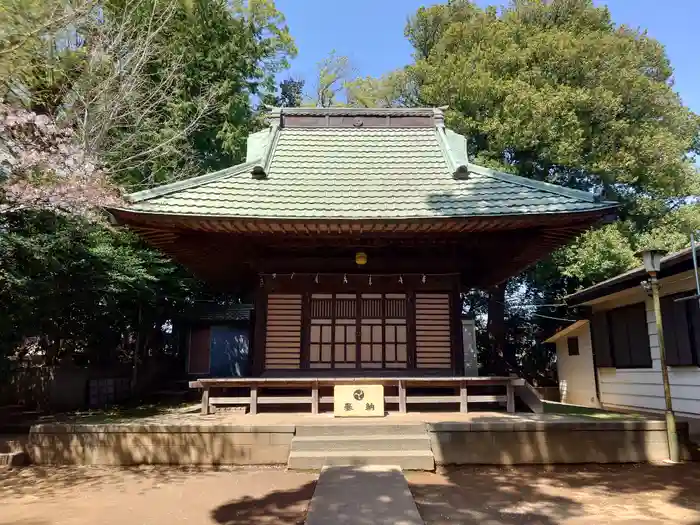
column 541, row 185
column 596, row 215
column 670, row 265
column 566, row 331
column 194, row 182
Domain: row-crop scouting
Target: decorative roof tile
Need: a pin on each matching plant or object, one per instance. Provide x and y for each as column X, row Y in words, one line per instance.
column 355, row 172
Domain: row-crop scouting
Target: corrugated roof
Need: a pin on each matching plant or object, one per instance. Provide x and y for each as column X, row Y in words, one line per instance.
column 361, row 173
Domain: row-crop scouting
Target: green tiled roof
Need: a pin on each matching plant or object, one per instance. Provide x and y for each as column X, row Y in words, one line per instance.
column 360, row 173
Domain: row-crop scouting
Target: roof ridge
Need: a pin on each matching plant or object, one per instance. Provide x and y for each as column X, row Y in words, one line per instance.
column 263, row 166
column 537, row 184
column 424, row 111
column 458, row 169
column 193, row 182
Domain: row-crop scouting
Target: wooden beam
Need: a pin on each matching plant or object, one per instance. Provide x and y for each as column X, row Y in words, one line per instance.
column 229, row 401
column 432, row 399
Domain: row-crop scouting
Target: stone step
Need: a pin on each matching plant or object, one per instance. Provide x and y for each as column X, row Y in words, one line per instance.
column 360, row 495
column 361, row 429
column 405, row 459
column 374, row 443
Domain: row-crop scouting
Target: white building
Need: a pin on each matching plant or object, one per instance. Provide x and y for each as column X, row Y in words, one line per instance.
column 611, row 359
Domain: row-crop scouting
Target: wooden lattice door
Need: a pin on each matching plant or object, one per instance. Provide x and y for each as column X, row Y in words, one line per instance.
column 383, row 338
column 358, row 331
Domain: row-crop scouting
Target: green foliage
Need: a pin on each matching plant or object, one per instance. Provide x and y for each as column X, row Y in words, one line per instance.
column 394, row 89
column 289, row 95
column 77, row 286
column 214, row 56
column 37, row 56
column 596, row 255
column 150, row 90
column 333, row 75
column 555, row 91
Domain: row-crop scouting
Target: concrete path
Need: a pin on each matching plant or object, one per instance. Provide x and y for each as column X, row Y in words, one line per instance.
column 370, row 495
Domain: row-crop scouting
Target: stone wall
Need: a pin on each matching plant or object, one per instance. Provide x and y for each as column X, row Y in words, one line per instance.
column 532, row 442
column 498, row 442
column 59, row 444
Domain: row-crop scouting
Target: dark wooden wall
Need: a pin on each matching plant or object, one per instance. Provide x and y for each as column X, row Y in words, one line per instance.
column 283, row 332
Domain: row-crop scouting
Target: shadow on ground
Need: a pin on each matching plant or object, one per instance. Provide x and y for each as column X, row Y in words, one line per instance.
column 639, row 494
column 50, row 481
column 279, row 507
column 571, row 495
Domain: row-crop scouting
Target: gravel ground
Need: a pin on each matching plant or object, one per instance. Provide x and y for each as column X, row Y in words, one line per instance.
column 595, row 495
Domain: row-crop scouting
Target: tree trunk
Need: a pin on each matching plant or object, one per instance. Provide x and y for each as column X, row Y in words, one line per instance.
column 496, row 328
column 137, row 354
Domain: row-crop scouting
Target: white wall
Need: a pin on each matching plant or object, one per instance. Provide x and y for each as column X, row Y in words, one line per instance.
column 642, row 388
column 576, row 380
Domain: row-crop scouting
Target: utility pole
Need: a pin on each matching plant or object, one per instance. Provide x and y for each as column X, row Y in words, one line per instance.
column 652, row 264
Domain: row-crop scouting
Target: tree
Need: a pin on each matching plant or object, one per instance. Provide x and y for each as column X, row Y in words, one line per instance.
column 289, row 95
column 42, row 167
column 394, row 89
column 76, row 285
column 333, row 75
column 555, row 91
column 108, row 96
column 37, row 56
column 209, row 58
column 157, row 90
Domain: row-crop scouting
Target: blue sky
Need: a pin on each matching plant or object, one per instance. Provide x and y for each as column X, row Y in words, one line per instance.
column 370, row 33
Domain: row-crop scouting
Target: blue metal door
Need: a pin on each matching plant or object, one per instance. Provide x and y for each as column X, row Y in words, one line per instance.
column 229, row 351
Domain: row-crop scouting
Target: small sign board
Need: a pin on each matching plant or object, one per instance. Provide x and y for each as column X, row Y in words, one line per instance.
column 358, row 401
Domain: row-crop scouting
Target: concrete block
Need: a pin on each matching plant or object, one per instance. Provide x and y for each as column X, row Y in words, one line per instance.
column 170, row 448
column 553, row 446
column 357, row 496
column 277, row 438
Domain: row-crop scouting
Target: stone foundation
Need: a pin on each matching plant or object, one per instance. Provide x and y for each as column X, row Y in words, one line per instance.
column 57, row 444
column 551, row 442
column 551, row 439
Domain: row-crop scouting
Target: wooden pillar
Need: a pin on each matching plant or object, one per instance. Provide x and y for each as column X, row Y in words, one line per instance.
column 402, row 397
column 205, row 400
column 510, row 397
column 411, row 329
column 260, row 333
column 457, row 345
column 463, row 397
column 253, row 399
column 314, row 398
